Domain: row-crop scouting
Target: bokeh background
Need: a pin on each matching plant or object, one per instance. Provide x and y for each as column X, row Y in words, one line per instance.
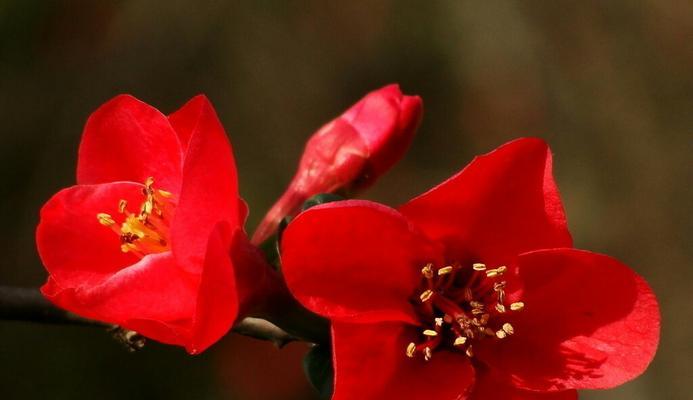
column 608, row 84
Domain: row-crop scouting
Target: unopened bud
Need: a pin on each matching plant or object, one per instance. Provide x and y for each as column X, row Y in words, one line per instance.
column 350, row 152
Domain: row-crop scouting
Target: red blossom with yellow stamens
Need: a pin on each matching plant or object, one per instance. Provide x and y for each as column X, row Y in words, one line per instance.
column 471, row 290
column 151, row 238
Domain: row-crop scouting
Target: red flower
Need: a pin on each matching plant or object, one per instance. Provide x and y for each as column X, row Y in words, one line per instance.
column 144, row 239
column 471, row 290
column 350, row 152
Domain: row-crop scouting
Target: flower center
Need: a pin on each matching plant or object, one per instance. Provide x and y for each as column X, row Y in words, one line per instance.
column 465, row 305
column 146, row 231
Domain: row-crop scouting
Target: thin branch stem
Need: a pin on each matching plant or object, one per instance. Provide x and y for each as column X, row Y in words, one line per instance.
column 23, row 304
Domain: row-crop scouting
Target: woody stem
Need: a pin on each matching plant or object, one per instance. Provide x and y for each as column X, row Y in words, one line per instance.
column 27, row 304
column 23, row 304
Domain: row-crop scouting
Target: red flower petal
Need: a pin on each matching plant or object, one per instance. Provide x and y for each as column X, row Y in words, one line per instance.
column 490, row 387
column 153, row 289
column 354, row 260
column 161, row 331
column 209, row 193
column 128, row 140
column 186, row 120
column 370, row 364
column 589, row 322
column 75, row 248
column 502, row 204
column 217, row 303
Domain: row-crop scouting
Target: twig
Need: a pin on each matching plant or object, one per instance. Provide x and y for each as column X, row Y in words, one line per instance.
column 23, row 304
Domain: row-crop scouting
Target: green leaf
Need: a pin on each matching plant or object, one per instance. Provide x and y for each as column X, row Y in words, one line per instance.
column 317, row 366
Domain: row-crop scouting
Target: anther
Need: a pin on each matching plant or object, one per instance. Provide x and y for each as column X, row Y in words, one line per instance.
column 500, row 308
column 500, row 334
column 479, row 267
column 517, row 306
column 427, row 271
column 491, row 273
column 122, row 205
column 426, row 295
column 459, row 341
column 445, row 270
column 411, row 350
column 508, row 328
column 430, row 333
column 439, row 321
column 105, row 219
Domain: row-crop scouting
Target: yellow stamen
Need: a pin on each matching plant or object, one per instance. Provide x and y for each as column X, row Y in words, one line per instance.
column 460, row 340
column 411, row 350
column 479, row 267
column 145, row 232
column 445, row 270
column 427, row 271
column 105, row 219
column 465, row 314
column 426, row 295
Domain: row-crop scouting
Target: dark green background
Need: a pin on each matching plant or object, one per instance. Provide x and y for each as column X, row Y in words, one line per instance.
column 607, row 84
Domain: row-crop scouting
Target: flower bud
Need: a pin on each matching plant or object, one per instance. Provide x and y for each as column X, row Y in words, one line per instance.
column 349, row 153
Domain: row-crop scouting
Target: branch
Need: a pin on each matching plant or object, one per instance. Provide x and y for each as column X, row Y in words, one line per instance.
column 22, row 304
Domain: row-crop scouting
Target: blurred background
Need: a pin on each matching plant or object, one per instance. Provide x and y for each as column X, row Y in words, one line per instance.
column 608, row 84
